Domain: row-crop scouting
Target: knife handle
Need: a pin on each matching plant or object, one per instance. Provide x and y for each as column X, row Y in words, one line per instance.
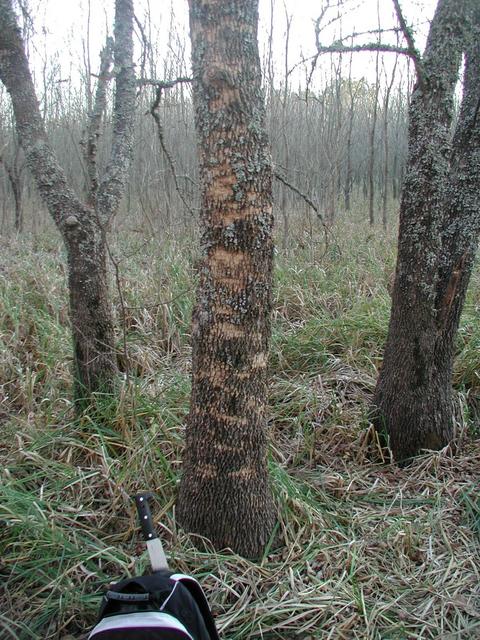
column 145, row 515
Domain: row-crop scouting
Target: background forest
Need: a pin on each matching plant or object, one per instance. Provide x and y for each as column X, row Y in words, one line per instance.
column 362, row 548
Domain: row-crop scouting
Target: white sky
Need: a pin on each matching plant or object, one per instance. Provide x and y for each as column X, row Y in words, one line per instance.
column 62, row 24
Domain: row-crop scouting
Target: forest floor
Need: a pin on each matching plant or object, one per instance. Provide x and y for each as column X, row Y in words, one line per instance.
column 362, row 549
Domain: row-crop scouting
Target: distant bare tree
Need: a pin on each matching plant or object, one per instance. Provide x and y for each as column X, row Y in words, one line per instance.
column 386, row 145
column 352, row 90
column 330, row 167
column 371, row 144
column 14, row 170
column 82, row 226
column 284, row 205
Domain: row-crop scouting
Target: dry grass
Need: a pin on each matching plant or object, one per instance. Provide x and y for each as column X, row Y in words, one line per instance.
column 362, row 548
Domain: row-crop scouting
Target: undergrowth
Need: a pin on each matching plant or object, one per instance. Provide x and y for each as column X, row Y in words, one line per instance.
column 362, row 549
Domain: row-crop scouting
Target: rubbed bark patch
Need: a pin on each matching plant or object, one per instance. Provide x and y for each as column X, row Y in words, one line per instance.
column 225, row 482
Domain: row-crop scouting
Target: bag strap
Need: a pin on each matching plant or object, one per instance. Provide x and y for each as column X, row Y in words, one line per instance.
column 196, row 592
column 127, row 597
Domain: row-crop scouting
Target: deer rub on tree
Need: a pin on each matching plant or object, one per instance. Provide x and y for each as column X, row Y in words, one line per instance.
column 225, row 481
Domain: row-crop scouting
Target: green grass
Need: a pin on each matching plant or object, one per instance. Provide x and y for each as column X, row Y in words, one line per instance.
column 361, row 549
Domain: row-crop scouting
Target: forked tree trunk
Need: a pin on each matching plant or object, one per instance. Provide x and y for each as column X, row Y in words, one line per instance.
column 82, row 227
column 439, row 219
column 224, row 491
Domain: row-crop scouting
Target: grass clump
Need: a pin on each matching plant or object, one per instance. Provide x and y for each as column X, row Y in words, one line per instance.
column 362, row 549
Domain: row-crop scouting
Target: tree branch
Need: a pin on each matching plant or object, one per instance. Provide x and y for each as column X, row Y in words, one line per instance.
column 161, row 138
column 112, row 185
column 281, row 178
column 163, row 84
column 408, row 35
column 95, row 120
column 339, row 47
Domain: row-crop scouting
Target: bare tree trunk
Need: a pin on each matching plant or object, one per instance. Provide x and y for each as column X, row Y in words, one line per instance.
column 395, row 163
column 461, row 226
column 82, row 227
column 351, row 111
column 438, row 233
column 386, row 148
column 284, row 136
column 371, row 156
column 224, row 491
column 14, row 178
column 95, row 360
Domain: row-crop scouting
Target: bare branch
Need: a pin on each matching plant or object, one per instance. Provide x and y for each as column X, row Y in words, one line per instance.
column 164, row 302
column 339, row 45
column 161, row 138
column 146, row 45
column 95, row 120
column 123, row 308
column 112, row 185
column 163, row 84
column 281, row 178
column 327, row 231
column 408, row 35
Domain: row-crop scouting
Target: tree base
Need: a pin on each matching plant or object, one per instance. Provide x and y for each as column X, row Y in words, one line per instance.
column 237, row 515
column 411, row 421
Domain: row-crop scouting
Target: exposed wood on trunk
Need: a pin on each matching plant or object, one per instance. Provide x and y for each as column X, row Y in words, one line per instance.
column 224, row 492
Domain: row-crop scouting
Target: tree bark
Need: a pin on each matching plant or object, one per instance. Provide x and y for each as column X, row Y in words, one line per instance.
column 82, row 227
column 437, row 240
column 224, row 491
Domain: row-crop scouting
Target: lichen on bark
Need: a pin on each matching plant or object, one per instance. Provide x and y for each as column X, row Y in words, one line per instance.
column 225, row 481
column 438, row 233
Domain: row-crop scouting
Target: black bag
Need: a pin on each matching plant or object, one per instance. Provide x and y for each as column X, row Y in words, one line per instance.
column 161, row 606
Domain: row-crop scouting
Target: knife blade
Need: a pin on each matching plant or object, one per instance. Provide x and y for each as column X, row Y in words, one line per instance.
column 158, row 560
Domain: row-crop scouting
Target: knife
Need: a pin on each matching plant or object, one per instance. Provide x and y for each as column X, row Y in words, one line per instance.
column 156, row 553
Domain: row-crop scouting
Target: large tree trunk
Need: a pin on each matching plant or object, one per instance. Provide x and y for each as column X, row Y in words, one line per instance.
column 82, row 227
column 437, row 240
column 224, row 492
